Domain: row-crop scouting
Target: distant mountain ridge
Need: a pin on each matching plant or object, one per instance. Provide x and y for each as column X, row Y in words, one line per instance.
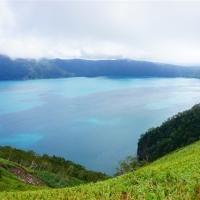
column 22, row 69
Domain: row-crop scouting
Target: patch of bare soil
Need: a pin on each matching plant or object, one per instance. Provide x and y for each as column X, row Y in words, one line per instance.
column 25, row 177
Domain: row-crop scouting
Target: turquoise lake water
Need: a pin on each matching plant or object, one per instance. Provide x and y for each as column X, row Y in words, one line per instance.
column 93, row 121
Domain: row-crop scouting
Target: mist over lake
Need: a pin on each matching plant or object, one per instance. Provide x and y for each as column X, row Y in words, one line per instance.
column 93, row 121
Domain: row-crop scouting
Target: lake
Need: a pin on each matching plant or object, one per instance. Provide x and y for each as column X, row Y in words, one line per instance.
column 93, row 121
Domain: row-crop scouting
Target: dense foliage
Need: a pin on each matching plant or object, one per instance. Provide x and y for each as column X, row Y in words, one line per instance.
column 63, row 169
column 175, row 176
column 178, row 131
column 22, row 69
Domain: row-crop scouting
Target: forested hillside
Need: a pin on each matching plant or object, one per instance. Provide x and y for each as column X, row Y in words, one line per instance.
column 178, row 131
column 175, row 176
column 22, row 69
column 51, row 170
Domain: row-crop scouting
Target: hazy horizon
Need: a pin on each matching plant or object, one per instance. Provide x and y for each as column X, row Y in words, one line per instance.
column 104, row 59
column 165, row 32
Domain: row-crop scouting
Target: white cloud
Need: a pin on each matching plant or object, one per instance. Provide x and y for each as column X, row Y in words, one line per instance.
column 147, row 30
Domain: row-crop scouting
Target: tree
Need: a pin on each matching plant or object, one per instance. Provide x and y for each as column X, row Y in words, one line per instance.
column 130, row 163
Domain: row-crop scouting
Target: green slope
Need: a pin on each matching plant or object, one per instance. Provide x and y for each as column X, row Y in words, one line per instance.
column 10, row 182
column 54, row 181
column 54, row 171
column 174, row 176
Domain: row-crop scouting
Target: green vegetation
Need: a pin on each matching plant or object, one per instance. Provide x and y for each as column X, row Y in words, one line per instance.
column 129, row 164
column 174, row 176
column 178, row 131
column 55, row 181
column 8, row 181
column 50, row 170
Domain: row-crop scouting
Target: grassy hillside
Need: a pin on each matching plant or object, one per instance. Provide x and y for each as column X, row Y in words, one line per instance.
column 15, row 177
column 53, row 171
column 9, row 181
column 25, row 170
column 174, row 176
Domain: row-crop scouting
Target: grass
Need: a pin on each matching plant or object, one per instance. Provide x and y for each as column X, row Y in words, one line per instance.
column 8, row 181
column 174, row 176
column 55, row 181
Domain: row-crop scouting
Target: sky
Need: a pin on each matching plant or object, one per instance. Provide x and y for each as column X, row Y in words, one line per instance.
column 162, row 31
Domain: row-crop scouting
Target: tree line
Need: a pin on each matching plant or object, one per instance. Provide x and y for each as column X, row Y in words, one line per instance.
column 178, row 131
column 53, row 164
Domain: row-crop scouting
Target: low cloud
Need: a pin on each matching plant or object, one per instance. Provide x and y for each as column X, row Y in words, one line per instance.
column 158, row 31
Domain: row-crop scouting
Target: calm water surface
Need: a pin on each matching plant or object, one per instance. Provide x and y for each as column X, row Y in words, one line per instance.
column 93, row 121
